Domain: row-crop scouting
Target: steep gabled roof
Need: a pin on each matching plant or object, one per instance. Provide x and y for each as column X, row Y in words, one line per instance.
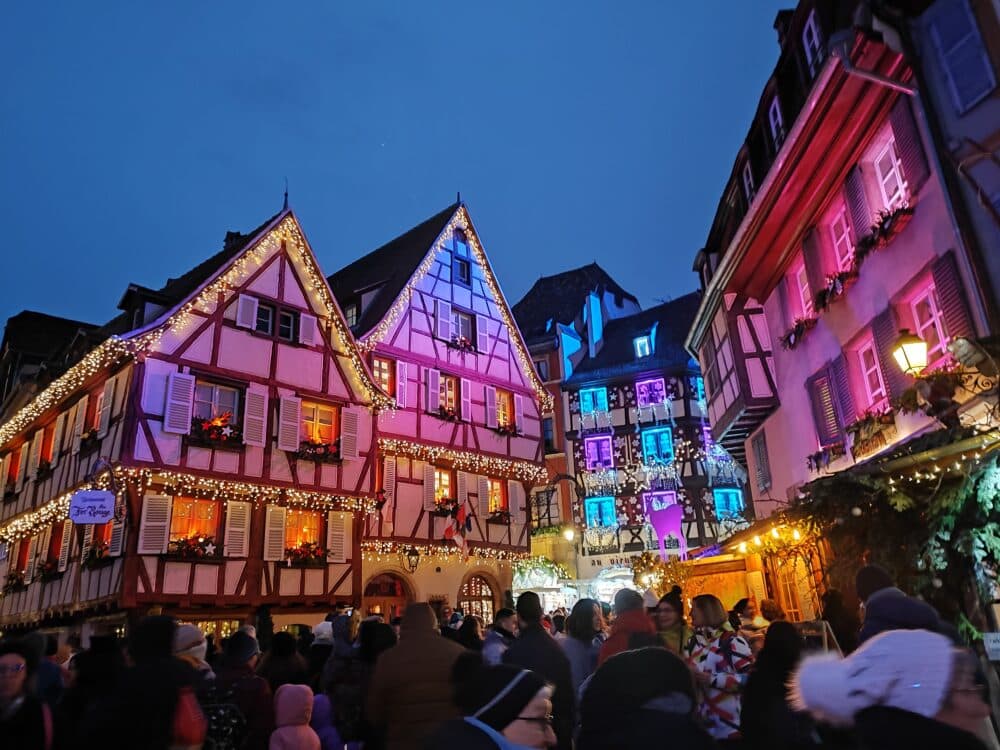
column 560, row 299
column 40, row 334
column 617, row 355
column 388, row 268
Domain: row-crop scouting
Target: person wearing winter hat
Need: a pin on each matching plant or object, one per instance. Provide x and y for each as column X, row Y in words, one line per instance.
column 191, row 647
column 669, row 619
column 641, row 699
column 887, row 608
column 319, row 652
column 630, row 619
column 503, row 708
column 901, row 688
column 293, row 706
column 251, row 693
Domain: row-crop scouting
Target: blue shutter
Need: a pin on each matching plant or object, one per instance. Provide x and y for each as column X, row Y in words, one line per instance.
column 602, row 399
column 648, row 446
column 962, row 55
column 667, row 445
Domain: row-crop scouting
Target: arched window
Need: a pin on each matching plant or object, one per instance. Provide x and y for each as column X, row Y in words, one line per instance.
column 386, row 594
column 476, row 598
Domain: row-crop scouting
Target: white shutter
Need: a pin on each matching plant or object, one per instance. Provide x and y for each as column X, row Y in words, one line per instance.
column 429, row 503
column 289, row 423
column 88, row 540
column 255, row 416
column 57, row 437
column 64, row 547
column 515, row 498
column 401, row 377
column 482, row 334
column 466, row 413
column 121, row 390
column 307, row 329
column 246, row 311
column 154, row 524
column 78, row 419
column 35, row 453
column 42, row 548
column 22, row 466
column 350, row 425
column 4, row 466
column 462, row 488
column 117, row 541
column 442, row 319
column 432, row 379
column 389, row 479
column 179, row 405
column 338, row 536
column 491, row 406
column 107, row 403
column 484, row 497
column 274, row 533
column 29, row 570
column 237, row 536
column 519, row 412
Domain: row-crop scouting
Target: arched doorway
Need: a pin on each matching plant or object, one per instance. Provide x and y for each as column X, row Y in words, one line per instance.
column 476, row 598
column 386, row 594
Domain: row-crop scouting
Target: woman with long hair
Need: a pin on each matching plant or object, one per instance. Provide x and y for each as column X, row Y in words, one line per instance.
column 584, row 628
column 470, row 633
column 673, row 632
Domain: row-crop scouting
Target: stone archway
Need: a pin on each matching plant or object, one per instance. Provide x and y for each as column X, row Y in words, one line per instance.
column 387, row 594
column 478, row 596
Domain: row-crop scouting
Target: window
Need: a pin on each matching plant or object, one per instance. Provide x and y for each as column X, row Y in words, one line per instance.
column 265, row 320
column 544, row 508
column 22, row 554
column 871, row 374
column 777, row 127
column 302, row 527
column 476, row 598
column 840, row 234
column 728, row 503
column 383, row 371
column 55, row 543
column 748, row 187
column 649, row 392
column 929, row 322
column 542, row 368
column 463, row 271
column 288, row 325
column 351, row 315
column 549, row 435
column 600, row 511
column 890, row 176
column 498, row 494
column 319, row 422
column 597, row 453
column 699, row 388
column 802, row 287
column 505, row 408
column 192, row 518
column 442, row 485
column 658, row 446
column 14, row 465
column 812, row 43
column 94, row 411
column 762, row 465
column 213, row 401
column 963, row 56
column 102, row 535
column 593, row 399
column 450, row 394
column 461, row 325
column 48, row 444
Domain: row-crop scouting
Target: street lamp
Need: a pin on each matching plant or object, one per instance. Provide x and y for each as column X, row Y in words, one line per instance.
column 910, row 353
column 569, row 533
column 410, row 558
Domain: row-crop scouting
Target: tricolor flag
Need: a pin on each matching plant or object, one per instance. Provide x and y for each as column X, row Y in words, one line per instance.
column 461, row 522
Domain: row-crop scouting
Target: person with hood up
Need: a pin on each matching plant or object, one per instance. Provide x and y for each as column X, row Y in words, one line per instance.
column 410, row 692
column 630, row 620
column 293, row 706
column 500, row 636
column 901, row 688
column 669, row 619
column 502, row 707
column 641, row 699
column 888, row 608
column 319, row 653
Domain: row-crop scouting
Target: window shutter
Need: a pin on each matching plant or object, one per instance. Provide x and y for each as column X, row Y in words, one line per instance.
column 762, row 464
column 857, row 204
column 289, row 423
column 22, row 466
column 519, row 412
column 432, row 379
column 57, row 437
column 4, row 467
column 350, row 425
column 845, row 398
column 429, row 503
column 484, row 497
column 491, row 406
column 812, row 256
column 78, row 419
column 107, row 403
column 963, row 57
column 35, row 454
column 515, row 497
column 442, row 319
column 462, row 488
column 951, row 297
column 908, row 146
column 482, row 334
column 179, row 404
column 255, row 416
column 121, row 391
column 466, row 387
column 307, row 329
column 29, row 570
column 237, row 535
column 66, row 541
column 274, row 533
column 401, row 378
column 154, row 524
column 824, row 409
column 389, row 479
column 338, row 536
column 885, row 333
column 116, row 543
column 246, row 311
column 88, row 540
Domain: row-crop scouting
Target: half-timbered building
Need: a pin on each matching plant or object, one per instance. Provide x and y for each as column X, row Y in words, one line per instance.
column 232, row 416
column 463, row 444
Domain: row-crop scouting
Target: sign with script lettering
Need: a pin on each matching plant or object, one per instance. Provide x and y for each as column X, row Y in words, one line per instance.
column 92, row 506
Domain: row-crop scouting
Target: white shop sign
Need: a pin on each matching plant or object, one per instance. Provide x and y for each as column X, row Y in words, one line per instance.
column 92, row 506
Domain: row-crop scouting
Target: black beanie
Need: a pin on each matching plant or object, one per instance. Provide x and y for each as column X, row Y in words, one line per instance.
column 500, row 693
column 674, row 599
column 870, row 579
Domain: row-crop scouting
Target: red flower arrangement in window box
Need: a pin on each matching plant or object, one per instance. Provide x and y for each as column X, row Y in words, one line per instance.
column 97, row 557
column 193, row 548
column 50, row 571
column 312, row 450
column 508, row 430
column 15, row 582
column 448, row 413
column 462, row 344
column 445, row 506
column 306, row 555
column 44, row 470
column 217, row 432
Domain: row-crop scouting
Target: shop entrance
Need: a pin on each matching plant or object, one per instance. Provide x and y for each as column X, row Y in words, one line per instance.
column 386, row 594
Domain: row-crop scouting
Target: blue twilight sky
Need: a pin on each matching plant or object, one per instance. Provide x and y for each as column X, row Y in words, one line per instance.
column 133, row 135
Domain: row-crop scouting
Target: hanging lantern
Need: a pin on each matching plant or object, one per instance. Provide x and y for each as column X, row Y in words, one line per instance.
column 910, row 353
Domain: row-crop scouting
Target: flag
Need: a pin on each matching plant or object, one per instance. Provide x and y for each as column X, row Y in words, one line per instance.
column 461, row 522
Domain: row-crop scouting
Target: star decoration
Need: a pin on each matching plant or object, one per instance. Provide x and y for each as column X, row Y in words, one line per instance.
column 210, row 549
column 227, row 431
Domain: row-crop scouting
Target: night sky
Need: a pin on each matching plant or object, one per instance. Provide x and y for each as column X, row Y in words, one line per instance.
column 133, row 135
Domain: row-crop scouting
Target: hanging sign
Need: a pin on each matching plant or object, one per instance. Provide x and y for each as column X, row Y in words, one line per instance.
column 92, row 506
column 991, row 642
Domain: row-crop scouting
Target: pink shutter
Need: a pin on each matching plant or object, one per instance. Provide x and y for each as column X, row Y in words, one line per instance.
column 482, row 334
column 350, row 426
column 289, row 423
column 466, row 394
column 401, row 378
column 246, row 311
column 255, row 416
column 432, row 379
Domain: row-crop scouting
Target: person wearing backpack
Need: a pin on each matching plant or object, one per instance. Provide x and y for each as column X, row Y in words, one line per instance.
column 720, row 661
column 240, row 694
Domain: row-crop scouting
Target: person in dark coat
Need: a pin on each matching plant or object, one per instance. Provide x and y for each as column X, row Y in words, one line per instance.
column 250, row 692
column 94, row 676
column 25, row 720
column 48, row 677
column 641, row 699
column 538, row 651
column 888, row 608
column 767, row 722
column 283, row 664
column 374, row 638
column 630, row 621
column 843, row 622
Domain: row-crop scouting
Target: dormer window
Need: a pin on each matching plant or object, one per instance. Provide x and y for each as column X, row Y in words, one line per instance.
column 777, row 126
column 749, row 190
column 812, row 43
column 642, row 346
column 460, row 260
column 351, row 315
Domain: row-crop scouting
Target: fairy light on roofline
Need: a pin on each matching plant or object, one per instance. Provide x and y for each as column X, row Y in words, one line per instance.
column 386, row 550
column 475, row 463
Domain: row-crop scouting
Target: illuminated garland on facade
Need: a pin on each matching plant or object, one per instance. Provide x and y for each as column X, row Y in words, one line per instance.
column 475, row 463
column 384, row 550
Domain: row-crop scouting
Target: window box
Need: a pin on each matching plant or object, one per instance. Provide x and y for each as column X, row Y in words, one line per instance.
column 15, row 582
column 886, row 226
column 822, row 458
column 507, row 430
column 461, row 343
column 321, row 453
column 218, row 432
column 50, row 572
column 448, row 414
column 97, row 557
column 836, row 285
column 445, row 507
column 872, row 432
column 89, row 441
column 499, row 517
column 44, row 471
column 306, row 555
column 193, row 548
column 794, row 335
column 9, row 492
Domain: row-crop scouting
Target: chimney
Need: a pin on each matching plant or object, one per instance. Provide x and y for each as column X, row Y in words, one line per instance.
column 594, row 318
column 782, row 22
column 231, row 239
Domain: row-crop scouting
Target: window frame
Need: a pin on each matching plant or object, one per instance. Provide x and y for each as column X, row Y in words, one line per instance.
column 444, row 381
column 290, row 526
column 271, row 313
column 929, row 293
column 844, row 263
column 440, row 474
column 505, row 408
column 872, row 398
column 540, row 365
column 384, row 372
column 602, row 503
column 814, row 53
column 595, row 402
column 648, row 400
column 549, row 440
column 643, row 346
column 777, row 123
column 457, row 318
column 658, row 458
column 352, row 314
column 460, row 264
column 195, row 502
column 499, row 486
column 240, row 393
column 800, row 277
column 318, row 406
column 761, row 462
column 599, row 464
column 890, row 203
column 293, row 335
column 749, row 189
column 731, row 491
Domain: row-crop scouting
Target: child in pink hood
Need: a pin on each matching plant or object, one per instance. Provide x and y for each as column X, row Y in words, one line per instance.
column 292, row 710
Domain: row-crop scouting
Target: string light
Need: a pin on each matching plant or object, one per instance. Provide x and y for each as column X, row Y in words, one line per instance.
column 385, row 550
column 475, row 463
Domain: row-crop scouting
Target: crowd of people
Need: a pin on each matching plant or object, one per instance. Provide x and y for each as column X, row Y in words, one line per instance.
column 654, row 676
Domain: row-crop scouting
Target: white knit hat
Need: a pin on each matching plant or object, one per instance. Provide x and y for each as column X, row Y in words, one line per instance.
column 649, row 599
column 905, row 669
